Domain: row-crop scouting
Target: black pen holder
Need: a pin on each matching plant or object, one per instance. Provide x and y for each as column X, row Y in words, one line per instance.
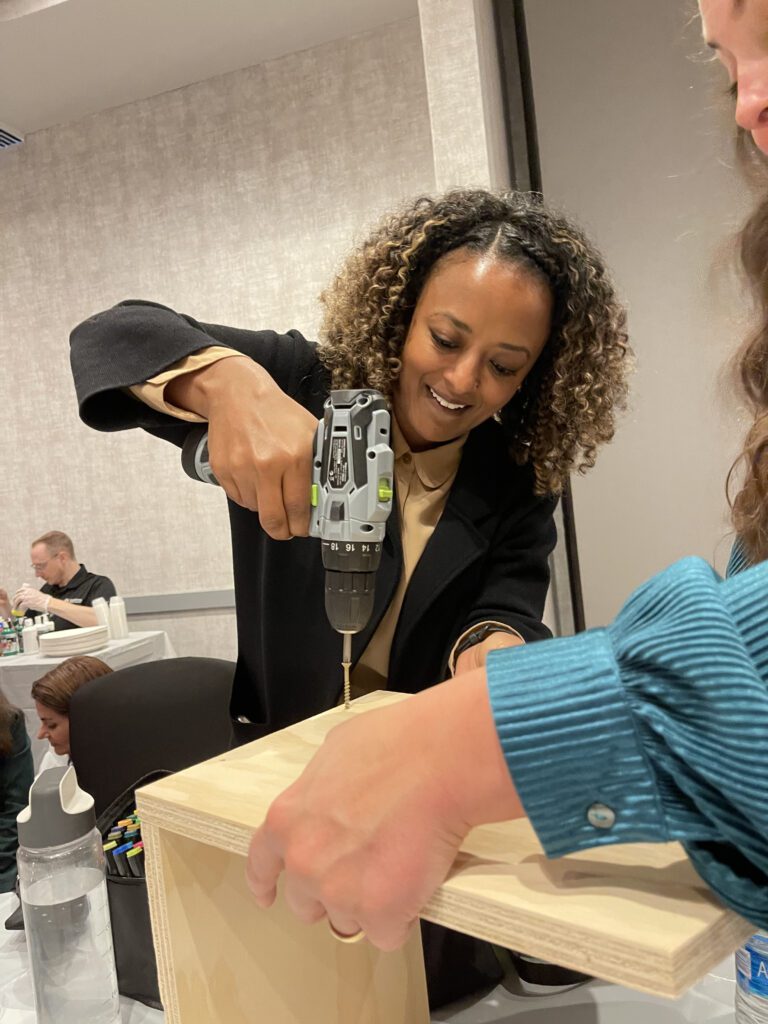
column 129, row 913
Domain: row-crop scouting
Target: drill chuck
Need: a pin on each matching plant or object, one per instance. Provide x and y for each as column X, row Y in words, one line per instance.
column 349, row 599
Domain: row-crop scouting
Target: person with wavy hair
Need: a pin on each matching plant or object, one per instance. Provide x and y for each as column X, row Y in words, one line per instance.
column 644, row 731
column 749, row 506
column 491, row 324
column 52, row 694
column 565, row 405
column 16, row 774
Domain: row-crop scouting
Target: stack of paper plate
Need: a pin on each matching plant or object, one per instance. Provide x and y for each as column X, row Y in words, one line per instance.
column 65, row 643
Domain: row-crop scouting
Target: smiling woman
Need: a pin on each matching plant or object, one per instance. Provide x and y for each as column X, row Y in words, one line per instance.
column 490, row 324
column 521, row 307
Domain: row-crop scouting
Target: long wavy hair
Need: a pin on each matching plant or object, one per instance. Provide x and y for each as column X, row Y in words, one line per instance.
column 567, row 404
column 749, row 506
column 8, row 716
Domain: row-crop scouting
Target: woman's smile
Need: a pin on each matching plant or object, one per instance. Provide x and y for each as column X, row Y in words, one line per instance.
column 445, row 404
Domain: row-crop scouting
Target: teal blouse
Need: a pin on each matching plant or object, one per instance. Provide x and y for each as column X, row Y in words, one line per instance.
column 652, row 729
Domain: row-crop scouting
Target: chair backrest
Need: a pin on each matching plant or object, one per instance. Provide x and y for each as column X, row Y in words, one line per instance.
column 160, row 715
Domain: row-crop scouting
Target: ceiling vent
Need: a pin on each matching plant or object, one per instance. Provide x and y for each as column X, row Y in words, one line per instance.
column 8, row 137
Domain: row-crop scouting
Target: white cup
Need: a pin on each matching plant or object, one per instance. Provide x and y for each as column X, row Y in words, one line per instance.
column 101, row 608
column 118, row 618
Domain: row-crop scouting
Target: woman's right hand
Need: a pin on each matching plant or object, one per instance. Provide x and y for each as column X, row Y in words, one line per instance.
column 260, row 441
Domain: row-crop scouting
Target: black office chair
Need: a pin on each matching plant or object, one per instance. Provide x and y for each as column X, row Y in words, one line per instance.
column 157, row 716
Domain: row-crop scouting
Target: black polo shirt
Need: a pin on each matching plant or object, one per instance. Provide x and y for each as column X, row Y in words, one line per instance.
column 83, row 588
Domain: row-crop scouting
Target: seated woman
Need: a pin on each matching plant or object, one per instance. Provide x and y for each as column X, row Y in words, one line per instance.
column 52, row 694
column 16, row 774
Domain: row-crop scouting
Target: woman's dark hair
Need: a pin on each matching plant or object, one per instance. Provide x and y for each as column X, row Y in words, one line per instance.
column 8, row 715
column 566, row 406
column 54, row 690
column 749, row 507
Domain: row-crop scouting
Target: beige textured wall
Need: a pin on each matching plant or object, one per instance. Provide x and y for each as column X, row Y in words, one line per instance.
column 631, row 144
column 464, row 89
column 231, row 199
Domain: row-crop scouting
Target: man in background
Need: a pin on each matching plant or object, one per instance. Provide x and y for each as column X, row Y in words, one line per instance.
column 69, row 589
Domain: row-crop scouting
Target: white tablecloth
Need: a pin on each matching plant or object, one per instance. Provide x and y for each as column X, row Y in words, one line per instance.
column 16, row 999
column 18, row 673
column 596, row 1003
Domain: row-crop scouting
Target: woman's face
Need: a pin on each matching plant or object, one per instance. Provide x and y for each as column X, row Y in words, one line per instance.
column 737, row 30
column 478, row 328
column 53, row 727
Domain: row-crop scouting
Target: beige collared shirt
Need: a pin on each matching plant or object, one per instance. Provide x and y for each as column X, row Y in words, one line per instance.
column 423, row 481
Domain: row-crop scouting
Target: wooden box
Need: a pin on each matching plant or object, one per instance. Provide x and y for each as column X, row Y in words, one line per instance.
column 637, row 915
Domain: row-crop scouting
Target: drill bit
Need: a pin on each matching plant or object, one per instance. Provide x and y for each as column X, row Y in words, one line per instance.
column 346, row 662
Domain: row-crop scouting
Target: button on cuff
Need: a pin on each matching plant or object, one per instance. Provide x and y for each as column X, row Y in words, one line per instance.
column 601, row 816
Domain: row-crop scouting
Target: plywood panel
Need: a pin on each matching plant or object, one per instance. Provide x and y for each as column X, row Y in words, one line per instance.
column 222, row 961
column 636, row 915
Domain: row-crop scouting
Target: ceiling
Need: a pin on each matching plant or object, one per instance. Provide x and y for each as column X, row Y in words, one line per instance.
column 63, row 59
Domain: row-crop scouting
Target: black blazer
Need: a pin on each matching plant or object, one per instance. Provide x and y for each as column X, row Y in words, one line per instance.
column 487, row 558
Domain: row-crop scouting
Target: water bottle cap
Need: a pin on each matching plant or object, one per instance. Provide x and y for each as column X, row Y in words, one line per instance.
column 58, row 812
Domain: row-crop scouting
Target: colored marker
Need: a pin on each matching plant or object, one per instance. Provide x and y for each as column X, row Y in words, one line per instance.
column 119, row 855
column 109, row 849
column 135, row 860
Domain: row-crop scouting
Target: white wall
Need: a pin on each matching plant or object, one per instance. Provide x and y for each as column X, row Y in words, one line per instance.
column 232, row 200
column 633, row 146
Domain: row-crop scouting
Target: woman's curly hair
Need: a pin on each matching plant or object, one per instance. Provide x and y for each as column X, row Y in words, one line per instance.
column 566, row 406
column 749, row 507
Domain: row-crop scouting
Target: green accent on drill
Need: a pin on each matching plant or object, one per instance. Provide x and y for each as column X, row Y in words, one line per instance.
column 385, row 489
column 313, row 496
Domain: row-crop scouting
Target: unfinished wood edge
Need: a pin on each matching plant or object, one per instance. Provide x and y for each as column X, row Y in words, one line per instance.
column 671, row 976
column 158, row 912
column 197, row 825
column 706, row 951
column 610, row 960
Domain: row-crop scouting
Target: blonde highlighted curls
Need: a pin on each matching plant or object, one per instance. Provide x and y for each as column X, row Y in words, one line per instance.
column 567, row 404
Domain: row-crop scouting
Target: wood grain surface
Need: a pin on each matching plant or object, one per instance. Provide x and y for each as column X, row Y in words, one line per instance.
column 636, row 915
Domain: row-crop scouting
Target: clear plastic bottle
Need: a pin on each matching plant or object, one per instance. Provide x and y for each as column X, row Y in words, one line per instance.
column 752, row 981
column 64, row 898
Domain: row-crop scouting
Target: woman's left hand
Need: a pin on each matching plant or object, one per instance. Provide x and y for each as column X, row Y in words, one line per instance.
column 372, row 826
column 474, row 656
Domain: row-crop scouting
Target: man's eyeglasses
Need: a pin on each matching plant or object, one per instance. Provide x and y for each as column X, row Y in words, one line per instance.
column 39, row 566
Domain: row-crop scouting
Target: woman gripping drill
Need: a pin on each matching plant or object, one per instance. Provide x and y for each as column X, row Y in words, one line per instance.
column 490, row 324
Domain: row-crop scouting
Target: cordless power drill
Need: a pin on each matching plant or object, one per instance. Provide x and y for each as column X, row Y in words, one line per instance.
column 351, row 498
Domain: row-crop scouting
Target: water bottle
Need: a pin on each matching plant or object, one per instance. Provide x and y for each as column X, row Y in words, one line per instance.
column 64, row 899
column 752, row 981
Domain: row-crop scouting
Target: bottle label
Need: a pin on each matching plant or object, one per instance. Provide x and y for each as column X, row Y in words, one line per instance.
column 752, row 970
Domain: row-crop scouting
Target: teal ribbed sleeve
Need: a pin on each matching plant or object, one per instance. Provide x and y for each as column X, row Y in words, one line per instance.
column 653, row 729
